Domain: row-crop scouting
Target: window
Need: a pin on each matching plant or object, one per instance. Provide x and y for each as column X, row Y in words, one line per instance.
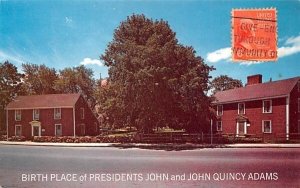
column 58, row 130
column 220, row 110
column 267, row 126
column 219, row 125
column 267, row 106
column 241, row 108
column 57, row 113
column 82, row 113
column 18, row 115
column 82, row 129
column 36, row 114
column 18, row 130
column 96, row 127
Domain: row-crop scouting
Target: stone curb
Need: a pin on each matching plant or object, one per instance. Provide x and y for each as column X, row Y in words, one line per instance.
column 193, row 146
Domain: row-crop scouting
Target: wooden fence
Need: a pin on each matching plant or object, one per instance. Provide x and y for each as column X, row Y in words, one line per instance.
column 217, row 138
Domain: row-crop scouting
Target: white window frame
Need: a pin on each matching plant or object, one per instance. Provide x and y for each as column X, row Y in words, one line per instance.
column 16, row 130
column 218, row 126
column 56, row 117
column 221, row 112
column 55, row 129
column 263, row 126
column 96, row 127
column 36, row 125
column 82, row 132
column 82, row 113
column 264, row 106
column 244, row 110
column 33, row 114
column 237, row 128
column 17, row 114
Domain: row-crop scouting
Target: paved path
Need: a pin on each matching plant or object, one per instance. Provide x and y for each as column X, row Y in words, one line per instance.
column 209, row 167
column 148, row 145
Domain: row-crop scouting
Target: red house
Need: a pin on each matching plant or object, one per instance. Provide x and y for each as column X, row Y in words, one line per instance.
column 50, row 115
column 269, row 108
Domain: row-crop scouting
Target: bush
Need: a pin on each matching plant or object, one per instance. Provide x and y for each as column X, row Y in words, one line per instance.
column 85, row 139
column 17, row 138
column 3, row 138
column 2, row 133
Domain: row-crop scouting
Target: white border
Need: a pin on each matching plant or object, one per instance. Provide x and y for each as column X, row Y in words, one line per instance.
column 55, row 129
column 263, row 126
column 16, row 115
column 18, row 125
column 263, row 109
column 33, row 110
column 239, row 108
column 54, row 113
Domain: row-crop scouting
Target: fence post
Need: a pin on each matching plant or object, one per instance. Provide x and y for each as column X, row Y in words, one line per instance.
column 211, row 138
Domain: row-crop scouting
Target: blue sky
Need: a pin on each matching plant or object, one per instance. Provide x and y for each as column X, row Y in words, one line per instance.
column 64, row 33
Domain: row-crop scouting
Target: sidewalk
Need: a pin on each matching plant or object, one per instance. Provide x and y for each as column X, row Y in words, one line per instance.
column 130, row 145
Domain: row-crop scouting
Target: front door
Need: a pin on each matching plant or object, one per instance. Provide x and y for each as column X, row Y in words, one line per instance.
column 36, row 130
column 58, row 130
column 241, row 128
column 82, row 129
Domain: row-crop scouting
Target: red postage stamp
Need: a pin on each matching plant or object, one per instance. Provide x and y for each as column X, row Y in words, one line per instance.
column 254, row 35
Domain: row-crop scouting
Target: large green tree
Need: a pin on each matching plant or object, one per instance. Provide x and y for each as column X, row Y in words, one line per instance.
column 154, row 80
column 224, row 82
column 39, row 79
column 77, row 80
column 10, row 87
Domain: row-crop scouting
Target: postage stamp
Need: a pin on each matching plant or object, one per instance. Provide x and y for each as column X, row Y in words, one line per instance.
column 254, row 34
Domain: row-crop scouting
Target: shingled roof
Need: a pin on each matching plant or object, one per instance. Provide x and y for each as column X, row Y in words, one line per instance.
column 44, row 101
column 257, row 91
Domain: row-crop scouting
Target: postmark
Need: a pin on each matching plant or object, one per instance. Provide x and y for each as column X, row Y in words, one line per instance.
column 254, row 34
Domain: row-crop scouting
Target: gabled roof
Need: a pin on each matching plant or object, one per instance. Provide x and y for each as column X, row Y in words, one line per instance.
column 257, row 91
column 44, row 101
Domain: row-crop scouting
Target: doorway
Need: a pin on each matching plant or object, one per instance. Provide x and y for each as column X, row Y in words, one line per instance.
column 36, row 130
column 241, row 128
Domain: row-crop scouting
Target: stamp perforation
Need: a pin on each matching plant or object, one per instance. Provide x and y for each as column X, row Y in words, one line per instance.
column 259, row 27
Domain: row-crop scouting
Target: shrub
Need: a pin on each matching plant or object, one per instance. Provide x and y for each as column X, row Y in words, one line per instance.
column 17, row 138
column 3, row 138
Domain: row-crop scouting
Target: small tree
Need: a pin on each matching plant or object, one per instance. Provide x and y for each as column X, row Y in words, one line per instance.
column 77, row 80
column 224, row 82
column 10, row 87
column 39, row 79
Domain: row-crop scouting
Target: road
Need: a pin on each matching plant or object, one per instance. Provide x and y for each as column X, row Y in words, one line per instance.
column 37, row 166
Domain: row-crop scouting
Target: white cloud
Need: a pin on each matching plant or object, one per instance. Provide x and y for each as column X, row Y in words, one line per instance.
column 290, row 47
column 218, row 55
column 293, row 47
column 293, row 40
column 68, row 20
column 13, row 58
column 89, row 61
column 250, row 62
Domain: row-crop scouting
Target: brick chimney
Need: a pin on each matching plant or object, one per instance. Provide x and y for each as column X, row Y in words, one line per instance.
column 254, row 79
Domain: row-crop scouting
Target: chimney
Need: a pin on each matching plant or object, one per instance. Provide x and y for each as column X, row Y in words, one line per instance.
column 254, row 79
